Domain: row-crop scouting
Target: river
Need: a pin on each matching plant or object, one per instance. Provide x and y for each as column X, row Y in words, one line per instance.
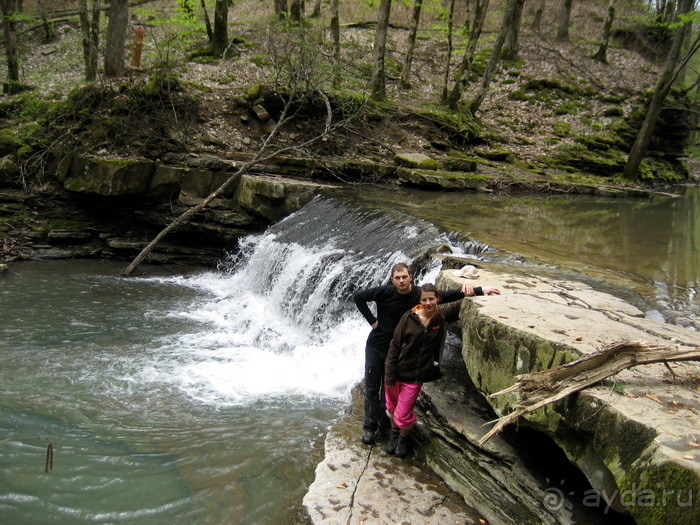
column 204, row 398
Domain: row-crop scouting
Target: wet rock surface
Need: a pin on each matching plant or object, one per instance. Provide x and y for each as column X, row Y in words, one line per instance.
column 361, row 484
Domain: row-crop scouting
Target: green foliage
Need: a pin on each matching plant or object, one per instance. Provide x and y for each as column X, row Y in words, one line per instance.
column 614, row 112
column 261, row 60
column 562, row 129
column 519, row 94
column 177, row 33
column 567, row 108
column 481, row 58
column 654, row 169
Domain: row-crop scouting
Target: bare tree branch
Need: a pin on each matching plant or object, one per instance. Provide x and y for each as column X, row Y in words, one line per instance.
column 543, row 388
column 258, row 158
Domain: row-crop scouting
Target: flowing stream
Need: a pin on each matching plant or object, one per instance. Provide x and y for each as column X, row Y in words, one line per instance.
column 205, row 398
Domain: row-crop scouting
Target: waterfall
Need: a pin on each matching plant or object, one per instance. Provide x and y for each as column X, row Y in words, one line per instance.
column 278, row 319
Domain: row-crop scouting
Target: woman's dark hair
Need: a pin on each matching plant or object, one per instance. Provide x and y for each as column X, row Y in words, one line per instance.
column 430, row 287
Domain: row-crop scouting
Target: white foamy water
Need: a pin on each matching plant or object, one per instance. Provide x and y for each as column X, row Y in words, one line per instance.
column 279, row 320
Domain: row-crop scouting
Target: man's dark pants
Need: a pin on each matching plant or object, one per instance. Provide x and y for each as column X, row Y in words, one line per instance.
column 375, row 415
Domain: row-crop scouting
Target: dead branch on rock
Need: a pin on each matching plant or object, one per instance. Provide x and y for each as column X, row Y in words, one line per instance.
column 260, row 157
column 548, row 386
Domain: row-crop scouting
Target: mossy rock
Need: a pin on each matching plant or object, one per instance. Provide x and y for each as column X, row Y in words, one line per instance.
column 614, row 112
column 499, row 155
column 441, row 180
column 9, row 142
column 460, row 163
column 416, row 160
column 582, row 159
column 666, row 170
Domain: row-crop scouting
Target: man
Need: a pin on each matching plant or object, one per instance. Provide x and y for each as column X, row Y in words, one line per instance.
column 392, row 302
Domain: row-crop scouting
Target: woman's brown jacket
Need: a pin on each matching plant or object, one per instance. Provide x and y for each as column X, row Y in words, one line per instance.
column 414, row 352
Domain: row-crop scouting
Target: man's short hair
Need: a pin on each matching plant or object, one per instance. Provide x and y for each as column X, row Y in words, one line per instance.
column 400, row 266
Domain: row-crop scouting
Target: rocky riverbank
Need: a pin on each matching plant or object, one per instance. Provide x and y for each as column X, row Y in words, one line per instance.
column 111, row 207
column 633, row 439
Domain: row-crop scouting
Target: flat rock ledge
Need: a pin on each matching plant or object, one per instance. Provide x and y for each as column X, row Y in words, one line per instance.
column 635, row 438
column 361, row 484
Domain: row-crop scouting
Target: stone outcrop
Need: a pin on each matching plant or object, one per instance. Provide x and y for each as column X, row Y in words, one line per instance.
column 634, row 439
column 112, row 207
column 441, row 180
column 358, row 484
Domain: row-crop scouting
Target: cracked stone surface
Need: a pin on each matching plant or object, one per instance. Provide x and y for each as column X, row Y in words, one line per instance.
column 360, row 484
column 637, row 433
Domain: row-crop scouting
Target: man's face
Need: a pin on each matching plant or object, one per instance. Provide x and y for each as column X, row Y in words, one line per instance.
column 402, row 280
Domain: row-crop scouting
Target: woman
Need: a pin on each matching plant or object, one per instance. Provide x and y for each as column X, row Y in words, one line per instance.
column 414, row 359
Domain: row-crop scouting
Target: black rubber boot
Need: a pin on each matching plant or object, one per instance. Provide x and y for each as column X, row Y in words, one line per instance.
column 369, row 437
column 403, row 448
column 393, row 440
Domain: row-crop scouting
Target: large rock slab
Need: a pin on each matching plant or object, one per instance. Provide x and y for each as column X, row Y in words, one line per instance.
column 635, row 437
column 275, row 197
column 109, row 177
column 360, row 484
column 441, row 180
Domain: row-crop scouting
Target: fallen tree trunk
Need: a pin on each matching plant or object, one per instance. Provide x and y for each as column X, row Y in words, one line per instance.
column 548, row 386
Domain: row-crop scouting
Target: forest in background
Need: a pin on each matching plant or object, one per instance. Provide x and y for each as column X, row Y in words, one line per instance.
column 561, row 85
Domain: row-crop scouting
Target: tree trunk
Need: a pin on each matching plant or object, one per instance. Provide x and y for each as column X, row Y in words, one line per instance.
column 335, row 35
column 378, row 84
column 49, row 30
column 495, row 57
column 448, row 58
column 564, row 20
column 512, row 44
column 207, row 22
column 281, row 8
column 465, row 66
column 539, row 389
column 602, row 53
column 663, row 87
column 296, row 11
column 411, row 44
column 116, row 38
column 317, row 9
column 220, row 41
column 90, row 27
column 9, row 27
column 537, row 19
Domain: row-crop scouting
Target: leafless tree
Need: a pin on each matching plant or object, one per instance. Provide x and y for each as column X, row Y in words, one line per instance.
column 220, row 41
column 674, row 64
column 207, row 22
column 511, row 48
column 537, row 19
column 335, row 36
column 411, row 44
column 461, row 77
column 90, row 27
column 564, row 20
column 490, row 70
column 378, row 83
column 49, row 31
column 116, row 37
column 602, row 53
column 9, row 25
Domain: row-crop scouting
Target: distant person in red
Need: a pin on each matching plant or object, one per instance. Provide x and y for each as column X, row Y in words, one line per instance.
column 414, row 359
column 392, row 302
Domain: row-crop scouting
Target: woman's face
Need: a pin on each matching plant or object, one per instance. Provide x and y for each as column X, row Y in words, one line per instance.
column 429, row 301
